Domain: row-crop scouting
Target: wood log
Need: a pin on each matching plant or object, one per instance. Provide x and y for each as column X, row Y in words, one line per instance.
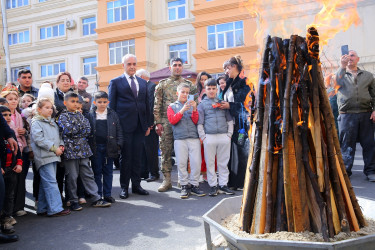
column 285, row 137
column 281, row 216
column 325, row 109
column 251, row 190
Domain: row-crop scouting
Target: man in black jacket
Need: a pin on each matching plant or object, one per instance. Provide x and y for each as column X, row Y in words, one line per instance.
column 5, row 133
column 151, row 145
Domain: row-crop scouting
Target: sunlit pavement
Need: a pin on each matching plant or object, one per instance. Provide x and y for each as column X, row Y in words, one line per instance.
column 157, row 221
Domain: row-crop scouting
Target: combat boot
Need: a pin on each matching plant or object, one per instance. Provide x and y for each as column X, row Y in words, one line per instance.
column 166, row 183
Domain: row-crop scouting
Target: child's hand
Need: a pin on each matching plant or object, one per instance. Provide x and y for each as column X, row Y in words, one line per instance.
column 58, row 152
column 21, row 131
column 194, row 105
column 62, row 148
column 185, row 107
column 17, row 169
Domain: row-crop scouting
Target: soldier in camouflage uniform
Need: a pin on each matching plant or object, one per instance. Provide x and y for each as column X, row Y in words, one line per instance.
column 165, row 94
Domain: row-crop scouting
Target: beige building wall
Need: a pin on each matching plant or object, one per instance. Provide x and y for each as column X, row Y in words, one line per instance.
column 70, row 48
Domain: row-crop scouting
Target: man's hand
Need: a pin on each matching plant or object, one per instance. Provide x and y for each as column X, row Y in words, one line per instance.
column 147, row 131
column 17, row 169
column 13, row 145
column 159, row 129
column 224, row 105
column 372, row 117
column 344, row 61
column 2, row 171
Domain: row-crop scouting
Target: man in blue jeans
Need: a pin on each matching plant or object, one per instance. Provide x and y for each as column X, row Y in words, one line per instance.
column 7, row 133
column 356, row 101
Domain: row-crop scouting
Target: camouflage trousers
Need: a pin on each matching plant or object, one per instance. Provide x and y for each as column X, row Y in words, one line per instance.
column 166, row 147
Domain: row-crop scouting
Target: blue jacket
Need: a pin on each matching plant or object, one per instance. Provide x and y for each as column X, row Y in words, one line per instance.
column 130, row 109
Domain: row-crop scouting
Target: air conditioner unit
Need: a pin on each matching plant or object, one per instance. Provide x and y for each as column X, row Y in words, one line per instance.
column 70, row 24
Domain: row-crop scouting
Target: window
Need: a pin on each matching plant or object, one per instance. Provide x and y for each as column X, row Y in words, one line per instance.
column 176, row 10
column 89, row 65
column 89, row 26
column 42, row 1
column 118, row 49
column 226, row 35
column 120, row 10
column 179, row 50
column 14, row 72
column 51, row 69
column 11, row 4
column 52, row 31
column 19, row 37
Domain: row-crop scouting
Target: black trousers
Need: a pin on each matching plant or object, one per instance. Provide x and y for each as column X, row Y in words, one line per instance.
column 2, row 192
column 355, row 128
column 10, row 180
column 151, row 146
column 20, row 192
column 130, row 159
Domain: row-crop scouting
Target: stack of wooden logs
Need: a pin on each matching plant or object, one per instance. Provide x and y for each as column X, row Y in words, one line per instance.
column 296, row 179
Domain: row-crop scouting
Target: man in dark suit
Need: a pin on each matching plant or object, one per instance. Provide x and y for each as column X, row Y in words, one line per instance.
column 128, row 96
column 151, row 159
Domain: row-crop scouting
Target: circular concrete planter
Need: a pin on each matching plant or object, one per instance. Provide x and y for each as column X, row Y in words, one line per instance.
column 232, row 205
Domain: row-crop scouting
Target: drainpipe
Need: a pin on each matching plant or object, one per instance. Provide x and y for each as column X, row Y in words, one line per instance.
column 5, row 40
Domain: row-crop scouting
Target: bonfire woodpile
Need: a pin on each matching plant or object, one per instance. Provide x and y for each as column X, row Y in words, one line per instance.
column 296, row 179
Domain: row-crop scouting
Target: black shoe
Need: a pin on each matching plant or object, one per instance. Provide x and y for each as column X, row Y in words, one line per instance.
column 139, row 190
column 185, row 192
column 196, row 191
column 124, row 193
column 109, row 199
column 74, row 206
column 8, row 238
column 225, row 190
column 213, row 191
column 152, row 178
column 101, row 203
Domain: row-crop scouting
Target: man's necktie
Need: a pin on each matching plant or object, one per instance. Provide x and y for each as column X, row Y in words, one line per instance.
column 133, row 86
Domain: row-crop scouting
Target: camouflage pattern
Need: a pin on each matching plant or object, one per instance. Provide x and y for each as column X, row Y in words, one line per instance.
column 165, row 94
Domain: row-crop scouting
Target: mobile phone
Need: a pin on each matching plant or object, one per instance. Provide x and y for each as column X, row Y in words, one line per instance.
column 191, row 98
column 344, row 50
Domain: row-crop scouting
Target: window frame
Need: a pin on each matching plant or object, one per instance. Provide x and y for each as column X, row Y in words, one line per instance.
column 51, row 30
column 185, row 5
column 8, row 4
column 90, row 64
column 11, row 35
column 187, row 51
column 130, row 6
column 224, row 33
column 89, row 25
column 121, row 47
column 14, row 72
column 52, row 64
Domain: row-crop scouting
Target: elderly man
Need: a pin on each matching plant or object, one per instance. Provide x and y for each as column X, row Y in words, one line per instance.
column 151, row 159
column 165, row 94
column 25, row 79
column 128, row 96
column 356, row 102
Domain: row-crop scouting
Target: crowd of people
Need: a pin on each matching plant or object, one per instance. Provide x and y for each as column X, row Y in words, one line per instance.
column 72, row 139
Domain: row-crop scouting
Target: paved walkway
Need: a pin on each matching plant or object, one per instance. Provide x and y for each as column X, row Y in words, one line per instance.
column 159, row 221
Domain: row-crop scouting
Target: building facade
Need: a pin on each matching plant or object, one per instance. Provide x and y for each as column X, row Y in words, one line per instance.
column 52, row 36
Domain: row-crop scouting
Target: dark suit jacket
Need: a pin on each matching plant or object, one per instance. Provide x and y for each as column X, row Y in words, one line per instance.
column 128, row 107
column 151, row 97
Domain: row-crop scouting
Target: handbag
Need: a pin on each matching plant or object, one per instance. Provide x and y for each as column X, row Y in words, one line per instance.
column 241, row 132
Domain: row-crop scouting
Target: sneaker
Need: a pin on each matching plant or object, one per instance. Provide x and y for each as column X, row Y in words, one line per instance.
column 196, row 191
column 20, row 213
column 185, row 191
column 82, row 201
column 371, row 177
column 62, row 213
column 101, row 203
column 225, row 190
column 109, row 199
column 74, row 206
column 213, row 191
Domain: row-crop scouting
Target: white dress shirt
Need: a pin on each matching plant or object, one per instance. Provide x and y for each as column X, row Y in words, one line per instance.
column 130, row 81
